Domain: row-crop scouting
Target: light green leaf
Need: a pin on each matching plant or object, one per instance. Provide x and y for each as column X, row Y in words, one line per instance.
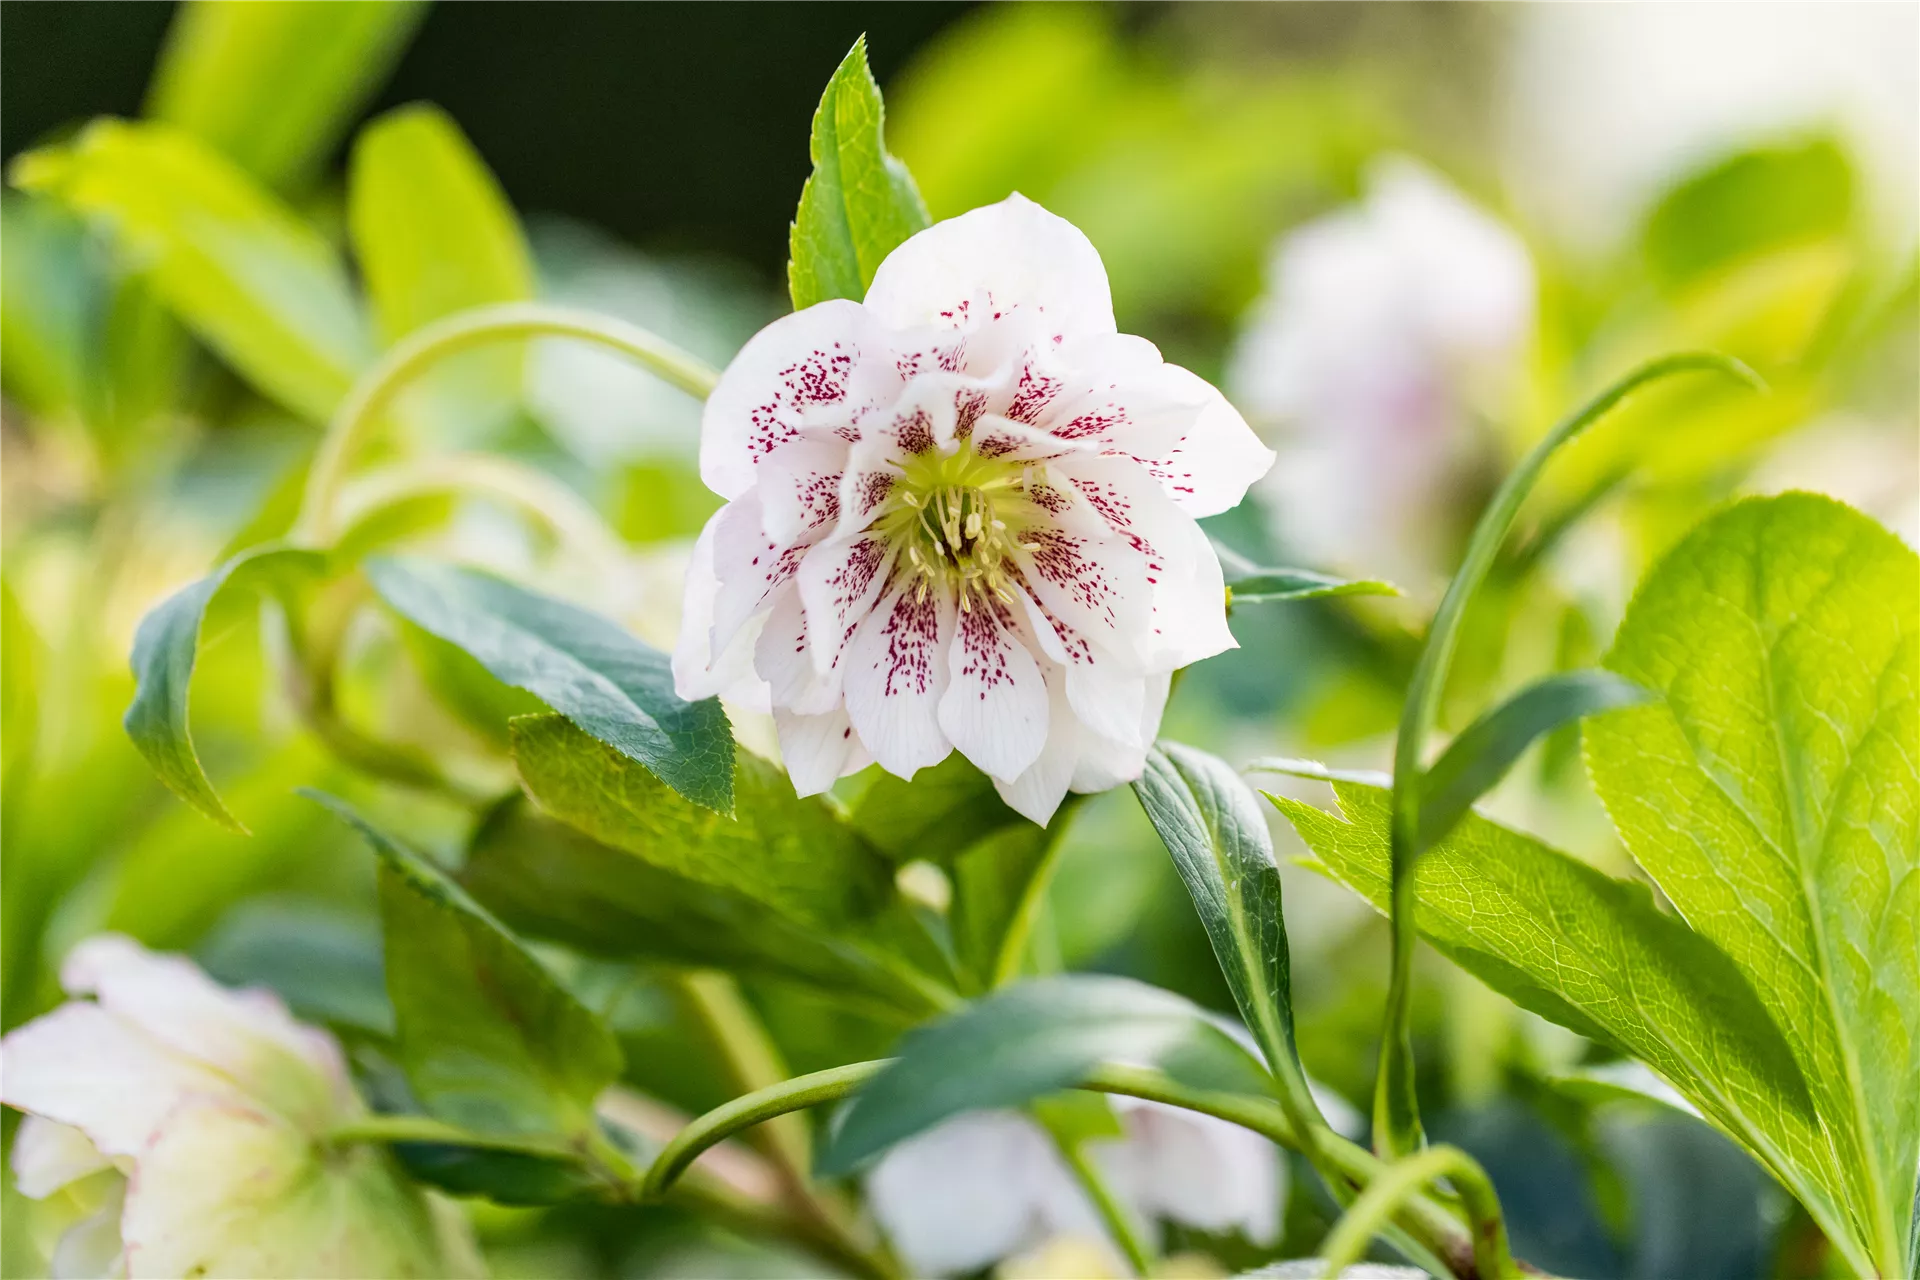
column 433, row 231
column 1030, row 1040
column 252, row 281
column 1487, row 748
column 273, row 84
column 1772, row 794
column 1594, row 954
column 1211, row 823
column 582, row 665
column 549, row 881
column 491, row 1041
column 1249, row 583
column 1771, row 197
column 50, row 294
column 164, row 649
column 860, row 202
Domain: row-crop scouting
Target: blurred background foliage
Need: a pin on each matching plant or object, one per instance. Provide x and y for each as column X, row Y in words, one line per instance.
column 183, row 301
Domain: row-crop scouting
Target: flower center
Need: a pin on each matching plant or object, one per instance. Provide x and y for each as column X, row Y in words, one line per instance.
column 958, row 520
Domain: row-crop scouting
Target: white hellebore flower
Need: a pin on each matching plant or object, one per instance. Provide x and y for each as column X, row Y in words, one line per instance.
column 960, row 514
column 201, row 1111
column 990, row 1185
column 1388, row 331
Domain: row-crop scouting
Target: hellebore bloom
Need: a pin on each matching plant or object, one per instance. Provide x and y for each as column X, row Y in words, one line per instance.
column 199, row 1116
column 960, row 514
column 990, row 1184
column 1389, row 332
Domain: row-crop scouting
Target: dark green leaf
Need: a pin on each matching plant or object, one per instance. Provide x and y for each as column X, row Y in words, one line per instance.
column 1035, row 1039
column 1772, row 793
column 1210, row 821
column 254, row 282
column 323, row 962
column 582, row 665
column 164, row 649
column 490, row 1040
column 1483, row 752
column 942, row 811
column 860, row 202
column 272, row 86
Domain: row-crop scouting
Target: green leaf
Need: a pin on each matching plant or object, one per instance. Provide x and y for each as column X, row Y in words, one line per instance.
column 582, row 665
column 50, row 294
column 1772, row 794
column 433, row 231
column 792, row 855
column 549, row 881
column 1593, row 954
column 252, row 281
column 1030, row 1040
column 323, row 962
column 491, row 1040
column 1766, row 198
column 860, row 202
column 1249, row 583
column 1211, row 823
column 164, row 649
column 941, row 812
column 1483, row 752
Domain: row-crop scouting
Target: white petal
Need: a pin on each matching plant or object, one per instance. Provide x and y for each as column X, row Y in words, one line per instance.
column 959, row 1197
column 1104, row 763
column 248, row 1035
column 896, row 675
column 799, row 488
column 83, row 1066
column 995, row 709
column 1200, row 1171
column 781, row 658
column 1096, row 586
column 997, row 258
column 818, row 750
column 840, row 582
column 1036, row 793
column 1217, row 461
column 831, row 361
column 47, row 1155
column 698, row 672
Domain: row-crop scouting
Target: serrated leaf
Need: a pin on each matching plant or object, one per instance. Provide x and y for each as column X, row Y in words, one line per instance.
column 860, row 202
column 1211, row 823
column 584, row 666
column 1594, row 954
column 1772, row 794
column 254, row 282
column 1483, row 752
column 1249, row 583
column 490, row 1040
column 550, row 881
column 273, row 85
column 164, row 650
column 1030, row 1040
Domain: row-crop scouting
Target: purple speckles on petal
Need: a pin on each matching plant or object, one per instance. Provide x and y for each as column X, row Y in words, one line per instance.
column 914, row 431
column 986, row 636
column 912, row 631
column 1035, row 393
column 1061, row 559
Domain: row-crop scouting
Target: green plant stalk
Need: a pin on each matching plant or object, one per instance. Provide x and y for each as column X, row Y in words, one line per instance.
column 755, row 1064
column 463, row 331
column 721, row 1123
column 1119, row 1220
column 1033, row 898
column 1348, row 1240
column 1396, row 1111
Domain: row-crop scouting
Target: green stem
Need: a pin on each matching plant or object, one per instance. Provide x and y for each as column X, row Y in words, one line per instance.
column 1396, row 1111
column 755, row 1064
column 483, row 326
column 1033, row 897
column 1118, row 1217
column 1404, row 1179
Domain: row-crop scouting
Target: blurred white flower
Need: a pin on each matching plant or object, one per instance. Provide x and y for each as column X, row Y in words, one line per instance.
column 202, row 1112
column 990, row 1185
column 961, row 514
column 1388, row 331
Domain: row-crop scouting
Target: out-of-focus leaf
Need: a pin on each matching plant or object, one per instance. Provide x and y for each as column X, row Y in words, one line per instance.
column 549, row 881
column 1249, row 583
column 1034, row 1039
column 20, row 663
column 461, row 685
column 1483, row 752
column 432, row 230
column 50, row 295
column 1595, row 955
column 323, row 962
column 1772, row 794
column 1211, row 823
column 795, row 856
column 942, row 811
column 993, row 883
column 1766, row 198
column 273, row 84
column 582, row 665
column 860, row 202
column 254, row 282
column 490, row 1040
column 164, row 650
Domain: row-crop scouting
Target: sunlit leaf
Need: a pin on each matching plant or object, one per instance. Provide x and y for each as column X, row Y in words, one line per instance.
column 860, row 202
column 1766, row 198
column 1772, row 794
column 252, row 281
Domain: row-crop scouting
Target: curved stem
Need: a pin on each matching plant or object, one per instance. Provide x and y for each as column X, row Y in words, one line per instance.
column 1397, row 1182
column 756, row 1064
column 743, row 1113
column 1396, row 1112
column 1118, row 1217
column 425, row 347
